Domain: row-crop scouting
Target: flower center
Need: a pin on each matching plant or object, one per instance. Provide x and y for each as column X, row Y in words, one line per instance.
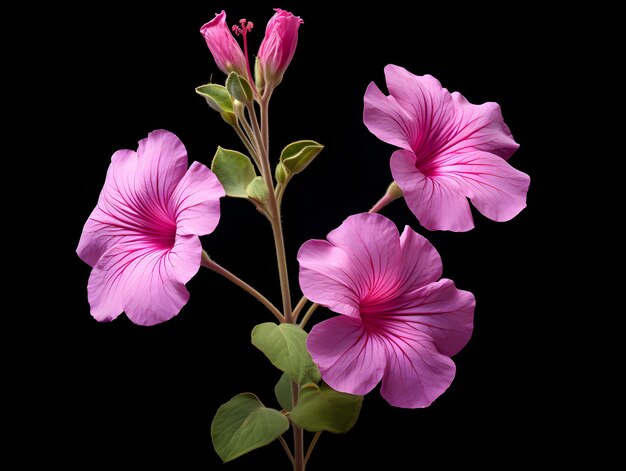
column 243, row 29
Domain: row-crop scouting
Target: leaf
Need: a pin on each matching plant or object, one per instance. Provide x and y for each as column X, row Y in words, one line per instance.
column 321, row 408
column 234, row 170
column 281, row 173
column 244, row 424
column 257, row 190
column 238, row 87
column 216, row 96
column 283, row 392
column 298, row 155
column 285, row 346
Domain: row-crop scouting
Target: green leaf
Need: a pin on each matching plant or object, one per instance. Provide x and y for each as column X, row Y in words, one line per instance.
column 283, row 392
column 321, row 408
column 298, row 155
column 244, row 424
column 257, row 190
column 285, row 346
column 216, row 96
column 234, row 171
column 238, row 87
column 281, row 173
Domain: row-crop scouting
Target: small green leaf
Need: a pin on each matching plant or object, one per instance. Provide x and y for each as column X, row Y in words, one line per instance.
column 244, row 424
column 234, row 171
column 281, row 173
column 298, row 155
column 238, row 87
column 283, row 392
column 257, row 190
column 321, row 408
column 285, row 346
column 216, row 96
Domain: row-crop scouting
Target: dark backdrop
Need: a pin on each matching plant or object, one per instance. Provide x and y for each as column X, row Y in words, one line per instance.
column 127, row 395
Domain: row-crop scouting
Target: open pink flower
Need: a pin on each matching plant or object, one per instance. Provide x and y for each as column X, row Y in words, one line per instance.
column 142, row 237
column 279, row 45
column 398, row 323
column 451, row 150
column 226, row 51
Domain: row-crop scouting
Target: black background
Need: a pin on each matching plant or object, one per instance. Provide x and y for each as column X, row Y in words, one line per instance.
column 136, row 396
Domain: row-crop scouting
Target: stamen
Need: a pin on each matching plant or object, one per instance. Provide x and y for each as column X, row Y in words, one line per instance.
column 244, row 27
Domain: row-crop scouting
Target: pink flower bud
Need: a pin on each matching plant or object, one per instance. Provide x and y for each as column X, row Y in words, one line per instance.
column 279, row 45
column 224, row 47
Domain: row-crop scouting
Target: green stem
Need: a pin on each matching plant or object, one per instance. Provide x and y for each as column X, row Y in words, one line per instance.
column 393, row 193
column 308, row 315
column 311, row 446
column 299, row 307
column 287, row 450
column 274, row 209
column 211, row 265
column 298, row 433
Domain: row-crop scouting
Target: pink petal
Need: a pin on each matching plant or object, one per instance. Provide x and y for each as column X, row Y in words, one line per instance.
column 496, row 189
column 480, row 127
column 196, row 201
column 421, row 263
column 439, row 310
column 113, row 220
column 446, row 122
column 350, row 360
column 438, row 202
column 156, row 291
column 327, row 278
column 426, row 101
column 416, row 373
column 373, row 245
column 144, row 280
column 387, row 120
column 162, row 163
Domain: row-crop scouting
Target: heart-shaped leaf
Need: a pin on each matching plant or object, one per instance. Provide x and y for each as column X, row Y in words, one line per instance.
column 244, row 424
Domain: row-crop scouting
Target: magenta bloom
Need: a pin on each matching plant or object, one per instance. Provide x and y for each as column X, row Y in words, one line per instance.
column 451, row 150
column 142, row 237
column 398, row 322
column 226, row 51
column 279, row 45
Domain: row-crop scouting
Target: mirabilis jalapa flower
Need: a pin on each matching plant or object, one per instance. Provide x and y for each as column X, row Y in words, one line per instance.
column 278, row 46
column 451, row 150
column 142, row 237
column 226, row 51
column 399, row 323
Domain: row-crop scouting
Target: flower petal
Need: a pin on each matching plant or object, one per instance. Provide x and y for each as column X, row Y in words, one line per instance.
column 327, row 278
column 196, row 201
column 426, row 101
column 496, row 189
column 387, row 120
column 479, row 127
column 373, row 245
column 350, row 360
column 112, row 221
column 438, row 202
column 421, row 263
column 416, row 373
column 161, row 164
column 446, row 121
column 146, row 281
column 439, row 310
column 156, row 290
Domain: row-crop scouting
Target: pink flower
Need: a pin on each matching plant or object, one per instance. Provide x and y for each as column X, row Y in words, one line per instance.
column 279, row 45
column 398, row 323
column 224, row 47
column 451, row 150
column 142, row 237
